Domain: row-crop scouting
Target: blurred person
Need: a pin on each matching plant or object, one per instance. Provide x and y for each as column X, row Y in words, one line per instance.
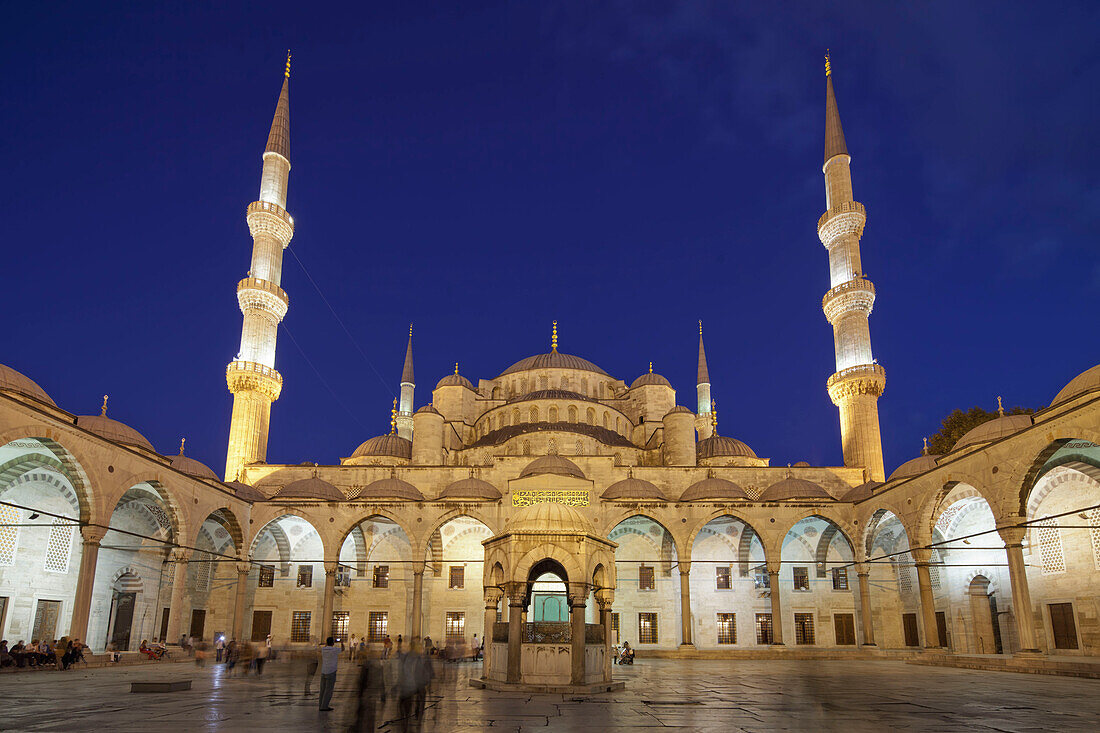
column 330, row 657
column 372, row 692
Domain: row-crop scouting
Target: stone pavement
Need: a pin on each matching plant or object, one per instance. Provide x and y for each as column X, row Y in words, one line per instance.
column 687, row 695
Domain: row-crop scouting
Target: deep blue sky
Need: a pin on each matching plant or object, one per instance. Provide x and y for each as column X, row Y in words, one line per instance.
column 483, row 168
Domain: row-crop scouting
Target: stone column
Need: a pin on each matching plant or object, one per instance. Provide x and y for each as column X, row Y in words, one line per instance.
column 330, row 597
column 417, row 605
column 685, row 605
column 517, row 600
column 577, row 601
column 1021, row 596
column 922, row 558
column 865, row 605
column 605, row 621
column 243, row 568
column 777, row 605
column 492, row 598
column 82, row 603
column 179, row 587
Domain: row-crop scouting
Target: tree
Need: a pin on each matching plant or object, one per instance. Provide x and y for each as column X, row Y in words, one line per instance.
column 959, row 423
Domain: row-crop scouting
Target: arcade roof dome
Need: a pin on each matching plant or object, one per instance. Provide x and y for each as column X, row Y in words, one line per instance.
column 914, row 466
column 246, row 492
column 861, row 492
column 793, row 488
column 391, row 488
column 19, row 382
column 554, row 464
column 470, row 488
column 631, row 488
column 548, row 518
column 553, row 360
column 713, row 488
column 720, row 445
column 385, row 445
column 994, row 429
column 192, row 467
column 1086, row 381
column 113, row 430
column 309, row 488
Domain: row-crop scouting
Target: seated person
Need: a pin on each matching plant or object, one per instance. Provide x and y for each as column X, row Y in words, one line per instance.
column 626, row 656
column 46, row 654
column 6, row 659
column 18, row 653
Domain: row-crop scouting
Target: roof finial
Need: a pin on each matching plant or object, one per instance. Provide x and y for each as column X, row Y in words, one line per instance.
column 650, row 367
column 925, row 451
column 287, row 63
column 103, row 410
column 410, row 330
column 456, row 368
column 828, row 66
column 1000, row 407
column 182, row 441
column 554, row 338
column 700, row 326
column 714, row 417
column 393, row 417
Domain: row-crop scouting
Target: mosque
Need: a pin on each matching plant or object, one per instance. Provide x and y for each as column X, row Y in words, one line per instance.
column 555, row 509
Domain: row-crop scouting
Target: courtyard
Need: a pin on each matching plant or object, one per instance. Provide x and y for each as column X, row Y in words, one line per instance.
column 695, row 695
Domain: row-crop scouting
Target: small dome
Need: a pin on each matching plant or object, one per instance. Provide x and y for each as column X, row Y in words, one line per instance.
column 309, row 488
column 391, row 488
column 113, row 430
column 552, row 464
column 914, row 466
column 21, row 383
column 246, row 492
column 793, row 488
column 633, row 489
column 801, row 464
column 192, row 467
column 650, row 379
column 553, row 360
column 385, row 445
column 994, row 429
column 455, row 380
column 548, row 518
column 1086, row 381
column 713, row 489
column 428, row 410
column 679, row 410
column 470, row 488
column 861, row 492
column 720, row 445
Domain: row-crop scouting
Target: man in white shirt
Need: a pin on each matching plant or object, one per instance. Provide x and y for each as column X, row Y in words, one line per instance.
column 330, row 656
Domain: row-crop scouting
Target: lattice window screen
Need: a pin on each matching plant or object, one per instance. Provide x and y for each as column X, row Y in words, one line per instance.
column 1050, row 547
column 60, row 546
column 1094, row 530
column 934, row 569
column 905, row 575
column 9, row 536
column 202, row 571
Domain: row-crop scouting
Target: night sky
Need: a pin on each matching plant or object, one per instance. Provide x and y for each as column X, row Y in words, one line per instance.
column 481, row 169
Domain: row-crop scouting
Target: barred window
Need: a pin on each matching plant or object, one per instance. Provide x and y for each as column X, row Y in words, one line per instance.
column 60, row 546
column 267, row 576
column 377, row 623
column 934, row 569
column 9, row 533
column 299, row 626
column 803, row 628
column 455, row 626
column 457, row 578
column 763, row 628
column 1050, row 547
column 343, row 577
column 1094, row 531
column 645, row 578
column 305, row 576
column 647, row 628
column 905, row 574
column 572, row 414
column 201, row 577
column 722, row 580
column 727, row 629
column 802, row 579
column 760, row 577
column 590, row 416
column 614, row 628
column 381, row 576
column 840, row 578
column 340, row 621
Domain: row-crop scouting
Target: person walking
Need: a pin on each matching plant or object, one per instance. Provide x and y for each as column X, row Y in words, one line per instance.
column 387, row 646
column 219, row 648
column 372, row 693
column 330, row 657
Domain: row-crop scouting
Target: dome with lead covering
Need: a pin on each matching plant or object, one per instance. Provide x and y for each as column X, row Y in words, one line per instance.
column 391, row 488
column 553, row 464
column 385, row 445
column 713, row 488
column 720, row 445
column 246, row 492
column 913, row 467
column 633, row 489
column 455, row 380
column 18, row 382
column 309, row 488
column 650, row 379
column 192, row 467
column 470, row 488
column 113, row 430
column 553, row 360
column 548, row 518
column 1086, row 381
column 861, row 492
column 793, row 488
column 994, row 429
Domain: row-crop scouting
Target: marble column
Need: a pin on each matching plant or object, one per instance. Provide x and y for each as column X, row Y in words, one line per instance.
column 685, row 605
column 922, row 558
column 865, row 606
column 492, row 598
column 330, row 597
column 179, row 586
column 1021, row 596
column 576, row 639
column 243, row 568
column 777, row 604
column 82, row 603
column 517, row 601
column 417, row 605
column 605, row 621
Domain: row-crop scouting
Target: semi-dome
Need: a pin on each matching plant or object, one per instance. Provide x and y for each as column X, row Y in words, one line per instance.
column 994, row 429
column 713, row 488
column 914, row 466
column 391, row 488
column 192, row 467
column 309, row 488
column 246, row 492
column 793, row 488
column 21, row 383
column 113, row 430
column 720, row 445
column 861, row 492
column 651, row 380
column 552, row 464
column 548, row 518
column 1086, row 381
column 553, row 360
column 455, row 380
column 385, row 445
column 633, row 489
column 470, row 488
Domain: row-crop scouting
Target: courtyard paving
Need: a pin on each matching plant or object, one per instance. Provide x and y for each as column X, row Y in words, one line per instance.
column 685, row 695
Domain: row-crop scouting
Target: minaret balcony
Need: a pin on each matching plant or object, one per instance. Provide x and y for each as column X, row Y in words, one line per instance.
column 266, row 218
column 862, row 379
column 248, row 376
column 254, row 293
column 858, row 294
column 842, row 220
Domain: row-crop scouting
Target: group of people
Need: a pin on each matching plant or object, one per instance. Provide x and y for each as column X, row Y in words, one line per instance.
column 624, row 655
column 244, row 656
column 62, row 654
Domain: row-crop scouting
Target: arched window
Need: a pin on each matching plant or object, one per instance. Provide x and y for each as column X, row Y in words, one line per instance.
column 533, row 414
column 523, row 386
column 544, row 382
column 515, row 416
column 580, row 447
column 551, row 447
column 590, row 416
column 606, row 420
column 619, row 425
column 526, row 447
column 553, row 414
column 584, row 386
column 565, row 382
column 572, row 413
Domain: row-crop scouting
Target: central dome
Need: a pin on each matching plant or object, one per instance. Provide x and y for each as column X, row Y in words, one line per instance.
column 553, row 360
column 548, row 518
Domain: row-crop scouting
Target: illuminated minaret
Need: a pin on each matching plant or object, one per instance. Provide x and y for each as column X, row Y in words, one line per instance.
column 404, row 415
column 251, row 376
column 703, row 424
column 858, row 381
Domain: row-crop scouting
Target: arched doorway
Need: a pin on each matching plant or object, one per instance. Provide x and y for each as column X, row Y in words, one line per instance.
column 983, row 609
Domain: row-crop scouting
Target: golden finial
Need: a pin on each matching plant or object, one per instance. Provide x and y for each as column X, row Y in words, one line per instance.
column 554, row 338
column 288, row 63
column 410, row 330
column 714, row 416
column 828, row 66
column 182, row 441
column 103, row 410
column 1000, row 407
column 393, row 417
column 925, row 451
column 456, row 368
column 700, row 327
column 650, row 367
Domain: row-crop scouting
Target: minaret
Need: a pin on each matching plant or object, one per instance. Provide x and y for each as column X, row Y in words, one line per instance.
column 404, row 414
column 858, row 381
column 702, row 392
column 251, row 376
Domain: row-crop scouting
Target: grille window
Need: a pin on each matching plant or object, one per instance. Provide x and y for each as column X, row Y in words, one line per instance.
column 645, row 578
column 803, row 628
column 647, row 628
column 376, row 626
column 299, row 626
column 305, row 576
column 727, row 630
column 722, row 578
column 1050, row 547
column 801, row 579
column 340, row 620
column 614, row 628
column 760, row 577
column 9, row 534
column 845, row 626
column 763, row 628
column 381, row 576
column 60, row 546
column 267, row 576
column 456, row 626
column 840, row 578
column 457, row 578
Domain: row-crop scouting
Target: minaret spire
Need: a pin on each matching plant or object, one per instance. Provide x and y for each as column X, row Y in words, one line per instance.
column 252, row 377
column 704, row 426
column 408, row 385
column 859, row 380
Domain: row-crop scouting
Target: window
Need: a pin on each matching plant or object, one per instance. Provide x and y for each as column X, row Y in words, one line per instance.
column 722, row 580
column 909, row 628
column 763, row 628
column 343, row 577
column 305, row 576
column 647, row 628
column 299, row 626
column 645, row 578
column 267, row 576
column 340, row 621
column 844, row 624
column 1094, row 532
column 1050, row 547
column 614, row 628
column 457, row 578
column 544, row 383
column 572, row 414
column 10, row 518
column 803, row 628
column 727, row 630
column 455, row 627
column 590, row 416
column 1062, row 625
column 60, row 546
column 533, row 414
column 840, row 578
column 376, row 626
column 905, row 574
column 801, row 579
column 553, row 414
column 381, row 576
column 760, row 578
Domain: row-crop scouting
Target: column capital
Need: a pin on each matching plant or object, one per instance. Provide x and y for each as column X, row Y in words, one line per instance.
column 517, row 593
column 331, row 566
column 180, row 555
column 577, row 594
column 605, row 597
column 1012, row 536
column 773, row 566
column 419, row 572
column 921, row 556
column 493, row 596
column 92, row 535
column 684, row 566
column 243, row 567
